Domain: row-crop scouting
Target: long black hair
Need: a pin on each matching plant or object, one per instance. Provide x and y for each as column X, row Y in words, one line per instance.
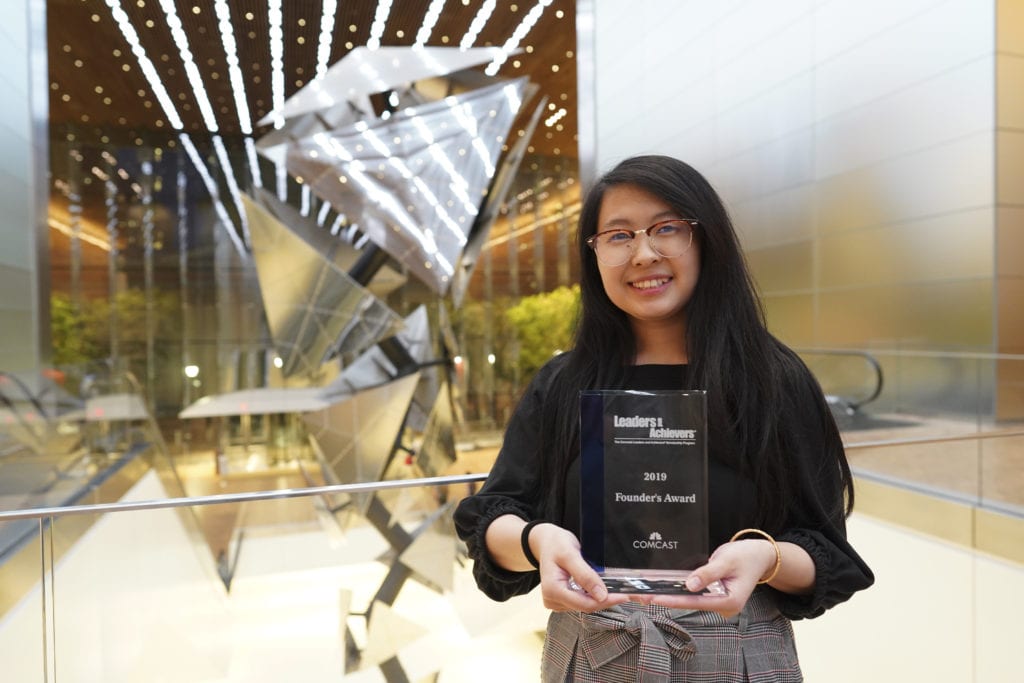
column 732, row 356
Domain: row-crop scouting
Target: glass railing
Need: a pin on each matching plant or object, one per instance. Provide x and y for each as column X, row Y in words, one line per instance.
column 314, row 593
column 258, row 572
column 950, row 424
column 318, row 594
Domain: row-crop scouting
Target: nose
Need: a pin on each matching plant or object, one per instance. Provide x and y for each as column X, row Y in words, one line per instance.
column 643, row 251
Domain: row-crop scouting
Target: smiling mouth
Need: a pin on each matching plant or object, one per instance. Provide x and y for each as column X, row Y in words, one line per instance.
column 651, row 283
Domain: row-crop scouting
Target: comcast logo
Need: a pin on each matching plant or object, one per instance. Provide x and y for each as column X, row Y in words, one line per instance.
column 655, row 542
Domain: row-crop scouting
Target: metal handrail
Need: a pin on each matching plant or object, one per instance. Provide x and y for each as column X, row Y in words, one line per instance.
column 367, row 487
column 25, row 390
column 921, row 353
column 921, row 440
column 218, row 499
column 29, row 427
column 872, row 361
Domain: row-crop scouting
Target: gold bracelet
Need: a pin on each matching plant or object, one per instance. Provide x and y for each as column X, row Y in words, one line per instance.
column 767, row 537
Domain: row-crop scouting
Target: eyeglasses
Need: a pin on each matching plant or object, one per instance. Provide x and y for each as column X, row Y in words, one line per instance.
column 668, row 239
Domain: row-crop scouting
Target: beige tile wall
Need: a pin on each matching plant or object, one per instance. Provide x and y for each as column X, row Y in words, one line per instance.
column 1009, row 287
column 855, row 144
column 22, row 183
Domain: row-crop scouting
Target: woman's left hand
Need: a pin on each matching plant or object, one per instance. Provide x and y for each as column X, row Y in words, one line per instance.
column 738, row 565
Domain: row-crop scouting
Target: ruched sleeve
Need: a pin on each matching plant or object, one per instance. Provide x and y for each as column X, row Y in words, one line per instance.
column 816, row 520
column 512, row 487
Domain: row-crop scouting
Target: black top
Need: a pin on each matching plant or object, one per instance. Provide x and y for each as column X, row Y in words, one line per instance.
column 514, row 483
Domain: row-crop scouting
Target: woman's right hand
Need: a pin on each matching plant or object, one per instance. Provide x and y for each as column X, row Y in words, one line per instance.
column 562, row 567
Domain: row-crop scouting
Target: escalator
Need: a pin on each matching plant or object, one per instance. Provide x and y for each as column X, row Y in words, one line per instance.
column 851, row 380
column 59, row 450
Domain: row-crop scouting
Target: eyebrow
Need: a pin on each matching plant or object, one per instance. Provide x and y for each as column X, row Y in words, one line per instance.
column 617, row 223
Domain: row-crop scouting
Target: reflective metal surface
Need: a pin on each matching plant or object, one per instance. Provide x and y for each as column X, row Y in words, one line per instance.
column 332, row 247
column 437, row 449
column 414, row 182
column 496, row 196
column 364, row 72
column 313, row 307
column 355, row 437
column 373, row 368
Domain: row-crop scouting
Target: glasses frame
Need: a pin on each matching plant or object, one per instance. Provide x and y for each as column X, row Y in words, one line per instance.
column 592, row 240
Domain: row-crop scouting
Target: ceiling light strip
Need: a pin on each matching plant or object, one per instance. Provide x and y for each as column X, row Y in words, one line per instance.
column 429, row 21
column 148, row 70
column 229, row 176
column 227, row 37
column 254, row 162
column 281, row 173
column 555, row 118
column 477, row 25
column 512, row 44
column 211, row 188
column 380, row 20
column 323, row 50
column 336, row 225
column 191, row 70
column 276, row 60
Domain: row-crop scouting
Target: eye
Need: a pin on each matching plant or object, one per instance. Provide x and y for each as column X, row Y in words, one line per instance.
column 618, row 236
column 670, row 229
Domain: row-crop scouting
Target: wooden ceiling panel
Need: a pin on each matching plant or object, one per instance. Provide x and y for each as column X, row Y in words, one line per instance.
column 97, row 84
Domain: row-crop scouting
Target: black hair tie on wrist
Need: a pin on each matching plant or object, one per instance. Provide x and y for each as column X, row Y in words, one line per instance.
column 524, row 539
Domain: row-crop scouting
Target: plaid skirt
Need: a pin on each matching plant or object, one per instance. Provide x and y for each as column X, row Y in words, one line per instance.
column 652, row 644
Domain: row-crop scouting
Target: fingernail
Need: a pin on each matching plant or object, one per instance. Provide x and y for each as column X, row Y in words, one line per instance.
column 693, row 584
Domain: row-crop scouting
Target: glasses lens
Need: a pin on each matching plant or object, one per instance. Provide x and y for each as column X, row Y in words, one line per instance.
column 614, row 247
column 668, row 238
column 671, row 238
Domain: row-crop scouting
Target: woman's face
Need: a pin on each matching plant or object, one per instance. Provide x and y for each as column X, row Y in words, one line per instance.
column 649, row 288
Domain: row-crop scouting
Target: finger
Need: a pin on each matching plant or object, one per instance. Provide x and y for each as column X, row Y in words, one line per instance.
column 699, row 580
column 586, row 578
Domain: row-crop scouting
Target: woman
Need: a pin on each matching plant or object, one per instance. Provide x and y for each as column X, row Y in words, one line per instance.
column 667, row 303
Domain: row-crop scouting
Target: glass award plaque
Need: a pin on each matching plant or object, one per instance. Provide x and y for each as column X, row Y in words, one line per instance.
column 644, row 488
